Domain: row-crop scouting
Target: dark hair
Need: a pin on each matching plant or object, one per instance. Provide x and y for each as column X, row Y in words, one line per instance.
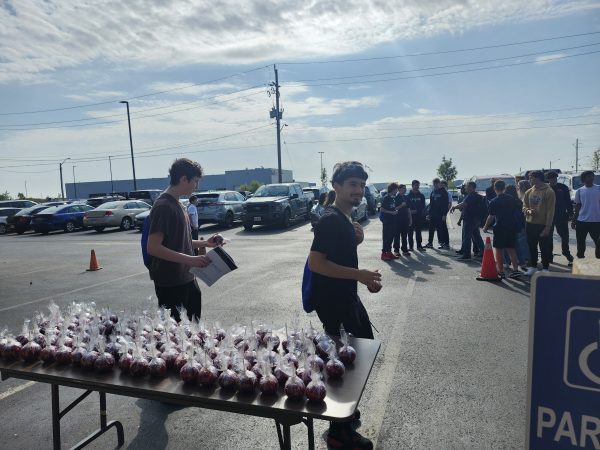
column 330, row 198
column 472, row 184
column 511, row 190
column 184, row 167
column 444, row 182
column 552, row 174
column 193, row 198
column 524, row 185
column 500, row 185
column 587, row 173
column 415, row 182
column 401, row 186
column 322, row 198
column 348, row 169
column 436, row 180
column 392, row 186
column 537, row 174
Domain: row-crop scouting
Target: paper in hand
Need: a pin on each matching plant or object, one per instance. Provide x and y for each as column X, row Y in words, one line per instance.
column 221, row 264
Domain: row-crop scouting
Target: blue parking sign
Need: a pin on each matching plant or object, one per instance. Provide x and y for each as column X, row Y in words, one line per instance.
column 563, row 405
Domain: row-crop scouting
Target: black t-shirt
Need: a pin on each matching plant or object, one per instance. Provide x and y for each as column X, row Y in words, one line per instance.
column 335, row 237
column 504, row 207
column 402, row 212
column 388, row 203
column 416, row 201
column 472, row 202
column 438, row 202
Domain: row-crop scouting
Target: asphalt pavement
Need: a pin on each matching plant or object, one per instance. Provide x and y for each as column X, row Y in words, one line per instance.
column 451, row 373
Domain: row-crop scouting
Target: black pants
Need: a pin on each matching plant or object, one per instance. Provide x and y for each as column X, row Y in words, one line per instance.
column 534, row 239
column 581, row 231
column 437, row 223
column 186, row 295
column 389, row 231
column 415, row 229
column 348, row 311
column 562, row 228
column 195, row 238
column 401, row 233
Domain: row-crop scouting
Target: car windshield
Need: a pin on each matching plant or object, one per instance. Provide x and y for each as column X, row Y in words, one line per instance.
column 484, row 183
column 50, row 210
column 207, row 198
column 109, row 205
column 31, row 210
column 273, row 190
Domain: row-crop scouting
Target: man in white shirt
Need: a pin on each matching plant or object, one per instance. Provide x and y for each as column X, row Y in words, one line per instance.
column 587, row 213
column 193, row 213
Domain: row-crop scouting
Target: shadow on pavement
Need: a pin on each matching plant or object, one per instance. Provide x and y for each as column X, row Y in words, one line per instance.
column 152, row 424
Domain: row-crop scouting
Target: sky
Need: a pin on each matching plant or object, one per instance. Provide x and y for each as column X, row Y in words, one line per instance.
column 498, row 87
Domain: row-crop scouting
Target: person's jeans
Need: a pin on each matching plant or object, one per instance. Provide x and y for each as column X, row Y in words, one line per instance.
column 534, row 239
column 562, row 228
column 470, row 235
column 581, row 231
column 389, row 230
column 416, row 229
column 401, row 233
column 437, row 223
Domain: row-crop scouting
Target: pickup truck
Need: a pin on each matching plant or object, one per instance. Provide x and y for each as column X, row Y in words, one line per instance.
column 276, row 204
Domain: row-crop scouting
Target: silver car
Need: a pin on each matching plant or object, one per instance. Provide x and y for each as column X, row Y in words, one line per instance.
column 114, row 214
column 222, row 207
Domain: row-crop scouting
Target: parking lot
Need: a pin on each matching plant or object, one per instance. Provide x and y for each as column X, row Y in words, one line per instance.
column 451, row 373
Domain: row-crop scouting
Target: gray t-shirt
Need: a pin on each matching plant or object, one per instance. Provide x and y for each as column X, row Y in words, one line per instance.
column 169, row 217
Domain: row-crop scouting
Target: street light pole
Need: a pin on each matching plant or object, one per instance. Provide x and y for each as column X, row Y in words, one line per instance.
column 62, row 190
column 74, row 182
column 321, row 172
column 112, row 188
column 130, row 144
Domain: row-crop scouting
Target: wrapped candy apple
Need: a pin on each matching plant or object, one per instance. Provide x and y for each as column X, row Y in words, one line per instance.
column 283, row 371
column 30, row 351
column 23, row 337
column 294, row 388
column 229, row 380
column 313, row 360
column 48, row 354
column 88, row 360
column 169, row 354
column 334, row 368
column 139, row 363
column 105, row 361
column 12, row 349
column 63, row 353
column 248, row 381
column 268, row 384
column 208, row 374
column 190, row 371
column 125, row 358
column 346, row 353
column 323, row 346
column 157, row 366
column 316, row 390
column 113, row 347
column 77, row 353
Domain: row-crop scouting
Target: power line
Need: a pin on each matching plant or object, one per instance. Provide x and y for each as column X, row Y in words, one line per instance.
column 442, row 52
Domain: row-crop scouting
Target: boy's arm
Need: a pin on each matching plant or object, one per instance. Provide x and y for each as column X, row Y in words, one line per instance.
column 318, row 263
column 158, row 250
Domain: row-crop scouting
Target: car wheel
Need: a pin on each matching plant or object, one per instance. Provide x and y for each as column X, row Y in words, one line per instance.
column 248, row 226
column 69, row 227
column 285, row 222
column 45, row 232
column 99, row 229
column 228, row 222
column 20, row 232
column 2, row 228
column 125, row 224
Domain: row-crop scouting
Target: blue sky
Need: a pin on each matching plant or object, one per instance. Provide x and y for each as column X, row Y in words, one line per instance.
column 72, row 54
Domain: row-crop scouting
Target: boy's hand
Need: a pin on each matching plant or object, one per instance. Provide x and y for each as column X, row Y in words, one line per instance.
column 369, row 277
column 200, row 261
column 216, row 240
column 358, row 232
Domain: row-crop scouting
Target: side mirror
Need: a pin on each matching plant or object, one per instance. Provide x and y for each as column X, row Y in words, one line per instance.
column 294, row 196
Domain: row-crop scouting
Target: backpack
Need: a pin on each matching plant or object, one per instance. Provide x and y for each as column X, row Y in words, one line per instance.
column 307, row 289
column 144, row 241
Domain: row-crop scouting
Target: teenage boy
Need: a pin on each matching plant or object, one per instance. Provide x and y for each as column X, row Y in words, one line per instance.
column 438, row 209
column 333, row 259
column 587, row 213
column 538, row 207
column 416, row 204
column 193, row 213
column 388, row 218
column 490, row 193
column 403, row 222
column 469, row 208
column 503, row 217
column 563, row 210
column 171, row 246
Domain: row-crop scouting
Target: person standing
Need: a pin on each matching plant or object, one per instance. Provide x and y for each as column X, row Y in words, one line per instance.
column 333, row 260
column 416, row 204
column 438, row 210
column 587, row 213
column 521, row 246
column 403, row 222
column 388, row 215
column 171, row 246
column 490, row 193
column 192, row 210
column 503, row 209
column 563, row 211
column 471, row 221
column 538, row 207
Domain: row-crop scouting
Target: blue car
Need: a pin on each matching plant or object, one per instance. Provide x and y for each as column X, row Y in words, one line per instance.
column 63, row 217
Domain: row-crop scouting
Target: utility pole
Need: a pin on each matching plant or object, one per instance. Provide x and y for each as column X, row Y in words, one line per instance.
column 62, row 189
column 321, row 172
column 26, row 189
column 130, row 145
column 112, row 187
column 74, row 182
column 277, row 114
column 577, row 155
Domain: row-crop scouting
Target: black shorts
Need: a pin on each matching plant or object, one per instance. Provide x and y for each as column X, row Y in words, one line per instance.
column 504, row 238
column 347, row 310
column 186, row 295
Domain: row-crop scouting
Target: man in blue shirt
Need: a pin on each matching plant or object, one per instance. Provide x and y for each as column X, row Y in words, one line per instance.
column 470, row 221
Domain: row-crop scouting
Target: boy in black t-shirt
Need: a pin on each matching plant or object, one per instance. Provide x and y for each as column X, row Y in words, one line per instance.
column 333, row 259
column 403, row 222
column 416, row 204
column 388, row 218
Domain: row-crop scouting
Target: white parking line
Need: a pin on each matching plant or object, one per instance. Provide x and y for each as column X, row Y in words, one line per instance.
column 383, row 382
column 61, row 294
column 16, row 389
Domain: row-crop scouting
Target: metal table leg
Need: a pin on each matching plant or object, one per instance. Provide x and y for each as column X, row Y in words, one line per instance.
column 311, row 432
column 55, row 417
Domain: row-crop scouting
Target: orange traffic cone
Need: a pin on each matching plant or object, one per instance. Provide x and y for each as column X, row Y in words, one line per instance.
column 488, row 265
column 93, row 263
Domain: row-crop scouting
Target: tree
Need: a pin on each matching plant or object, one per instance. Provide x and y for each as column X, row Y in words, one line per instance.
column 447, row 171
column 5, row 196
column 324, row 176
column 20, row 196
column 252, row 186
column 596, row 160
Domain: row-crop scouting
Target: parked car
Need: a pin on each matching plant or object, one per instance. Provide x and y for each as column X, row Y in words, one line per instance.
column 314, row 193
column 5, row 213
column 63, row 217
column 276, row 204
column 114, row 214
column 222, row 207
column 17, row 204
column 361, row 212
column 373, row 198
column 246, row 194
column 140, row 218
column 485, row 181
column 21, row 221
column 146, row 195
column 573, row 181
column 97, row 201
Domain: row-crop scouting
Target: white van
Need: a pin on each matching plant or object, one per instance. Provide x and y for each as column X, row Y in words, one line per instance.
column 573, row 181
column 485, row 181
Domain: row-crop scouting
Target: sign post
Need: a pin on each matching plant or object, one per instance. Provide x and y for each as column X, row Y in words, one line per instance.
column 563, row 401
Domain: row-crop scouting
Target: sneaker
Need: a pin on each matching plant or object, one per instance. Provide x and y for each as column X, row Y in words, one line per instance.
column 478, row 255
column 406, row 253
column 570, row 264
column 530, row 271
column 501, row 276
column 458, row 252
column 396, row 255
column 421, row 249
column 387, row 256
column 515, row 274
column 444, row 247
column 545, row 270
column 569, row 257
column 347, row 438
column 524, row 268
column 463, row 258
column 411, row 249
column 428, row 245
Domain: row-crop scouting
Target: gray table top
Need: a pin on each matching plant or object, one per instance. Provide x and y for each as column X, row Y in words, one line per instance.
column 339, row 404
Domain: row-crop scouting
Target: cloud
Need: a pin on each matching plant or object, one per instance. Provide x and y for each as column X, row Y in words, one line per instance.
column 95, row 95
column 41, row 36
column 183, row 89
column 549, row 58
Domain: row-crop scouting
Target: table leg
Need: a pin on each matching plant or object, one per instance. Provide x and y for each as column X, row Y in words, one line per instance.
column 311, row 433
column 55, row 417
column 285, row 441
